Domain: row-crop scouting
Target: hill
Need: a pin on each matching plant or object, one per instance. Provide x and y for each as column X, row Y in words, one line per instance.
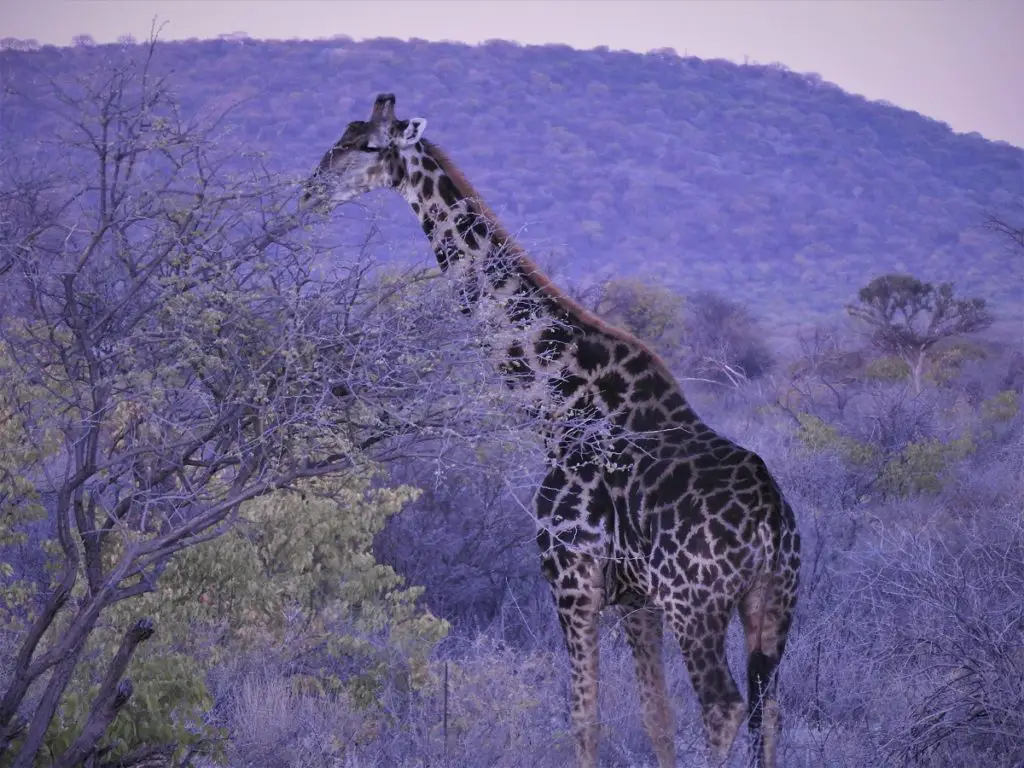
column 775, row 188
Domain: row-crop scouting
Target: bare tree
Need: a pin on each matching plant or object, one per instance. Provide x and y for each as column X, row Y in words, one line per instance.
column 826, row 377
column 725, row 343
column 174, row 344
column 1014, row 232
column 907, row 317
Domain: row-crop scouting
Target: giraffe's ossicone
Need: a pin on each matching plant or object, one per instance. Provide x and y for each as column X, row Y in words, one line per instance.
column 644, row 507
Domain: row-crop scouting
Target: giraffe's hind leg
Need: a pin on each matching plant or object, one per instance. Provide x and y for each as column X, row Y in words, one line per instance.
column 766, row 612
column 643, row 626
column 701, row 629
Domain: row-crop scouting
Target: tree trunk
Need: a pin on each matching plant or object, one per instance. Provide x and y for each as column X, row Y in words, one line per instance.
column 917, row 370
column 113, row 694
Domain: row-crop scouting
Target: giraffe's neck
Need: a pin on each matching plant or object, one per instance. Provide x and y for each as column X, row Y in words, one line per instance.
column 565, row 354
column 472, row 246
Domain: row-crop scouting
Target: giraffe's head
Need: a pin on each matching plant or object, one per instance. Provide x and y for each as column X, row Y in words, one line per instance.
column 368, row 156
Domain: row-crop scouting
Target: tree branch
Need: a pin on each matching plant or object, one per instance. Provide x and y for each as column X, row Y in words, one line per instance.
column 113, row 694
column 146, row 755
column 47, row 706
column 24, row 673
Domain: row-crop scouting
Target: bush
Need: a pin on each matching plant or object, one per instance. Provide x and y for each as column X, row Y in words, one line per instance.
column 726, row 342
column 294, row 582
column 651, row 312
column 948, row 607
column 922, row 467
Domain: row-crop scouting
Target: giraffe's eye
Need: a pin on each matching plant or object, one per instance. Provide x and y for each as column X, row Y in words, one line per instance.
column 369, row 148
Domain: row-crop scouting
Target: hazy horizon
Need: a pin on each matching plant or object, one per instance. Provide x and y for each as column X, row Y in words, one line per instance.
column 957, row 62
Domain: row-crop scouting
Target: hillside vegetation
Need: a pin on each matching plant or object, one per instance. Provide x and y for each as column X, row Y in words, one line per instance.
column 774, row 188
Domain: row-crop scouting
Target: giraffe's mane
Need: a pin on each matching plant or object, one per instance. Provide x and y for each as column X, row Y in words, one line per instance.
column 528, row 266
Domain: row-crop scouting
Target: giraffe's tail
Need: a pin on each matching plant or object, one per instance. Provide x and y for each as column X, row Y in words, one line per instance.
column 767, row 613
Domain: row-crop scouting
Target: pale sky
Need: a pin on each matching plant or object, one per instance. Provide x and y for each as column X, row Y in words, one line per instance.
column 959, row 61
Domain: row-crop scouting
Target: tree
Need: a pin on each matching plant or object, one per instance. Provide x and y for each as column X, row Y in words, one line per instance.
column 825, row 378
column 725, row 342
column 1013, row 232
column 907, row 317
column 174, row 346
column 650, row 312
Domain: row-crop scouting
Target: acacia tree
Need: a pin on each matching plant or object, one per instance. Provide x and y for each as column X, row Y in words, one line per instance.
column 906, row 317
column 174, row 344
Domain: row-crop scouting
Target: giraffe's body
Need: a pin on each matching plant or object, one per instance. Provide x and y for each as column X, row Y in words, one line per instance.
column 644, row 506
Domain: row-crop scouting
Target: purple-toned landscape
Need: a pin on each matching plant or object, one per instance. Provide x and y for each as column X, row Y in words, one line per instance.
column 263, row 501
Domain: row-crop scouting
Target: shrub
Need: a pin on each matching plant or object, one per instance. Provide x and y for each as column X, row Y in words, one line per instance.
column 922, row 466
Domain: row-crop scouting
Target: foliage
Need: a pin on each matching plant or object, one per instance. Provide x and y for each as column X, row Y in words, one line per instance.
column 309, row 558
column 948, row 361
column 20, row 404
column 1001, row 407
column 888, row 369
column 889, row 459
column 817, row 435
column 921, row 466
column 168, row 708
column 295, row 580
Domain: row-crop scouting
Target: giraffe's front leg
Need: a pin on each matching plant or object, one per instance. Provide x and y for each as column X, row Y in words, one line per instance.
column 577, row 592
column 572, row 559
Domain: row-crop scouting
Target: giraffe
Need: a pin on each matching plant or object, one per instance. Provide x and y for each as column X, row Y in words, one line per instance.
column 644, row 507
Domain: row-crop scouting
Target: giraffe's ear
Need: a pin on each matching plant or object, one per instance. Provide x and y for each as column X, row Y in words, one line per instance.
column 413, row 131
